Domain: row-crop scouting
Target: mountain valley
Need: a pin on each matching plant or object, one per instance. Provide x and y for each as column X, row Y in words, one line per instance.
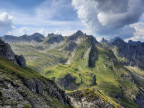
column 93, row 74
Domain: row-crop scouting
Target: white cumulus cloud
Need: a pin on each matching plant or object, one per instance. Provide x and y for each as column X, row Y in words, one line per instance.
column 5, row 23
column 110, row 17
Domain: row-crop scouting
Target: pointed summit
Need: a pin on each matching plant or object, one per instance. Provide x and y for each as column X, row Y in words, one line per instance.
column 76, row 36
column 104, row 41
column 79, row 32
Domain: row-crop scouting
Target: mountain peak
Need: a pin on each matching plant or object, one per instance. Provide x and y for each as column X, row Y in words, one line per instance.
column 79, row 32
column 37, row 34
column 116, row 39
column 104, row 41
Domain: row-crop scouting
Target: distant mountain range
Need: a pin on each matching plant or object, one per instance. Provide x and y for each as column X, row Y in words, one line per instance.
column 114, row 68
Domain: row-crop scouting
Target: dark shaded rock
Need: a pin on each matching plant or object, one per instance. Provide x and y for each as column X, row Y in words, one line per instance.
column 71, row 46
column 37, row 37
column 133, row 53
column 68, row 82
column 134, row 42
column 94, row 80
column 35, row 86
column 40, row 87
column 6, row 52
column 140, row 99
column 55, row 39
column 93, row 56
column 21, row 60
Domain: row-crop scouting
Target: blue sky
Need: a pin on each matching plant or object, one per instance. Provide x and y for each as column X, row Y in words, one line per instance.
column 101, row 18
column 44, row 16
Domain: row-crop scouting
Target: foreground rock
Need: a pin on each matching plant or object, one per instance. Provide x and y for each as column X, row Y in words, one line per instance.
column 6, row 52
column 91, row 98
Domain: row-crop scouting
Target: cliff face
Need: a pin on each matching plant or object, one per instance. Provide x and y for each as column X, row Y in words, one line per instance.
column 33, row 93
column 93, row 56
column 134, row 53
column 6, row 52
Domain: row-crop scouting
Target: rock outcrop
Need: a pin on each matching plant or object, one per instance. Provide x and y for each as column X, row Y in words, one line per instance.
column 71, row 46
column 68, row 82
column 93, row 56
column 20, row 60
column 140, row 99
column 39, row 87
column 54, row 39
column 134, row 54
column 89, row 99
column 6, row 52
column 32, row 93
column 104, row 41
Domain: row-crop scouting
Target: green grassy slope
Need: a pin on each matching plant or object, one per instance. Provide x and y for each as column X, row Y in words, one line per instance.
column 110, row 75
column 39, row 59
column 10, row 72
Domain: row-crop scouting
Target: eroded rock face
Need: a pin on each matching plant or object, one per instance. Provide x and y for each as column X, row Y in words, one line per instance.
column 20, row 60
column 39, row 87
column 140, row 99
column 88, row 99
column 33, row 93
column 6, row 52
column 93, row 56
column 71, row 46
column 94, row 80
column 35, row 86
column 133, row 53
column 68, row 82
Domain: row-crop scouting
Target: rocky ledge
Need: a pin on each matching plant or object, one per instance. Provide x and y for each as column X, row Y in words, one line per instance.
column 91, row 98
